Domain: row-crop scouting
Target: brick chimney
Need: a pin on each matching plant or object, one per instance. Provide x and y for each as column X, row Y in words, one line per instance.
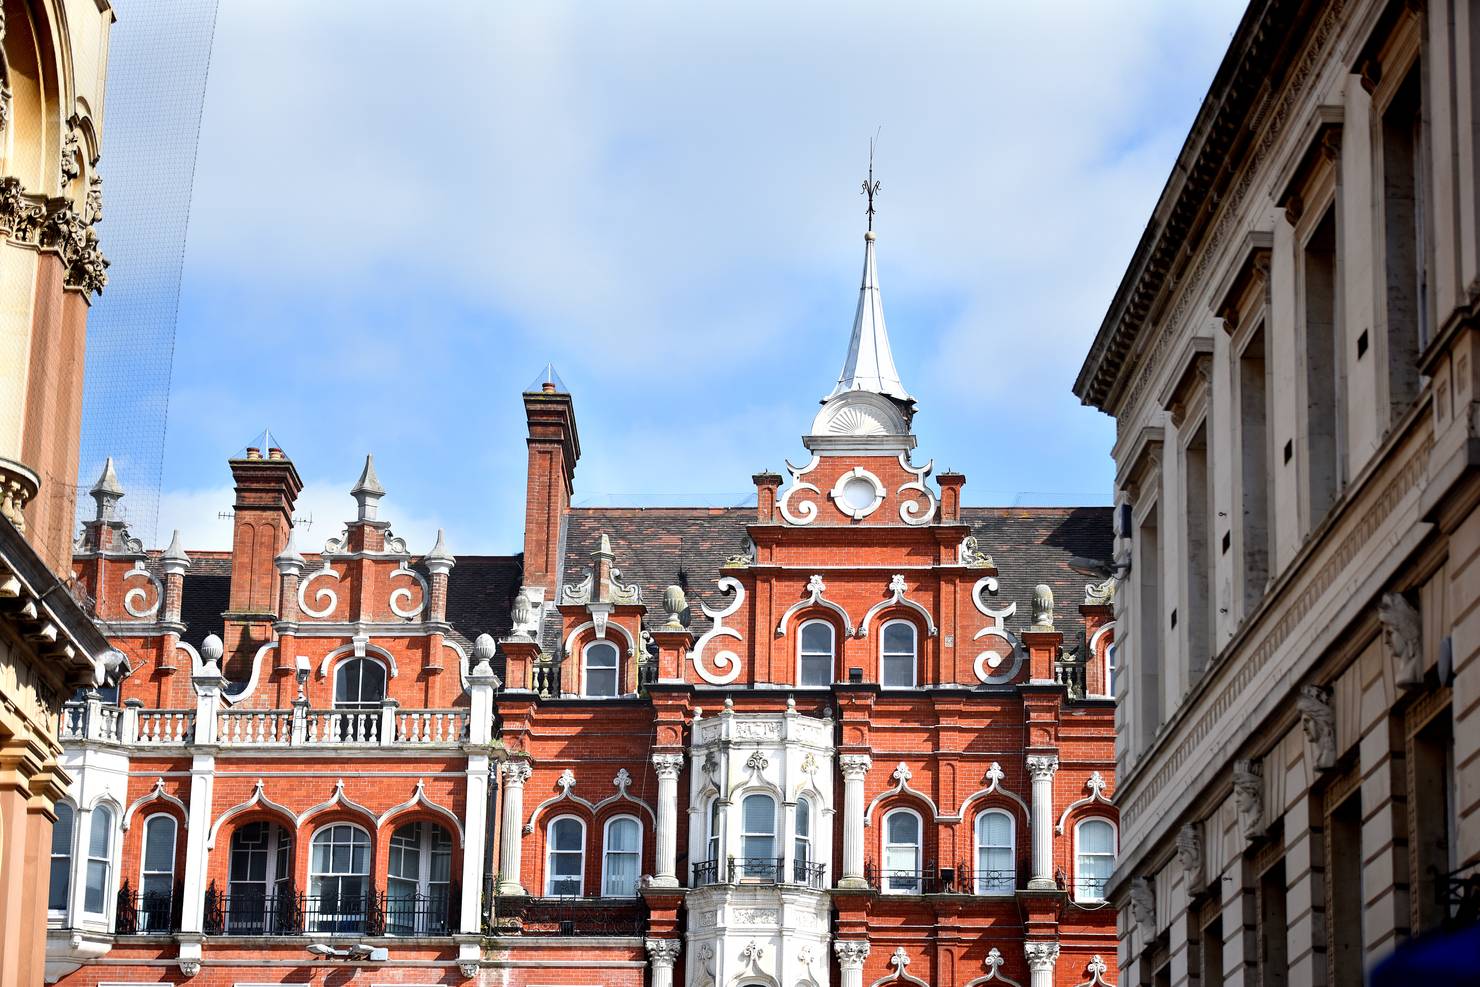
column 554, row 447
column 267, row 484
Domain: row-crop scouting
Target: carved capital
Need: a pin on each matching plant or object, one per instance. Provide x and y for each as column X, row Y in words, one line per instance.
column 515, row 773
column 855, row 766
column 663, row 952
column 668, row 765
column 1041, row 956
column 1041, row 766
column 851, row 953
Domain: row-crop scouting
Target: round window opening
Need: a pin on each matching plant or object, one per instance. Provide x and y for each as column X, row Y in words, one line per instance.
column 859, row 494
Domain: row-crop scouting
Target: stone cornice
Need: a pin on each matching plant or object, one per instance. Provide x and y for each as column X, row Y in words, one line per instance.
column 53, row 225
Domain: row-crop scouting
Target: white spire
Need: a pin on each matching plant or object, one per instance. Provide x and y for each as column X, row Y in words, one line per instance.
column 870, row 364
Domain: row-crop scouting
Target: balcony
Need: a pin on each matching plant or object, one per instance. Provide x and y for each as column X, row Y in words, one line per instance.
column 1070, row 675
column 287, row 913
column 568, row 916
column 759, row 870
column 147, row 913
column 383, row 726
column 960, row 879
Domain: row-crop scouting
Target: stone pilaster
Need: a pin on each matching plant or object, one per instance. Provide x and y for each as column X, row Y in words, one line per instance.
column 666, row 840
column 851, row 954
column 1041, row 768
column 511, row 843
column 662, row 955
column 854, row 767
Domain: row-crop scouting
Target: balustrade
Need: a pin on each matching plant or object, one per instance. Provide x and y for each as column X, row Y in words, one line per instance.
column 379, row 726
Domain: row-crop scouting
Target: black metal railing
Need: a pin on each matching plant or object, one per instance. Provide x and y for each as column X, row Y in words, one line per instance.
column 569, row 916
column 706, row 873
column 1458, row 894
column 147, row 913
column 930, row 879
column 767, row 870
column 372, row 913
column 1090, row 888
column 809, row 873
column 989, row 882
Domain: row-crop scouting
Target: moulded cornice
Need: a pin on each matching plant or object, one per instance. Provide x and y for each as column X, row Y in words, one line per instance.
column 1193, row 360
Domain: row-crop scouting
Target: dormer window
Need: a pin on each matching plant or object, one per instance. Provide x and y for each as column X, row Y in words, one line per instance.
column 601, row 669
column 815, row 654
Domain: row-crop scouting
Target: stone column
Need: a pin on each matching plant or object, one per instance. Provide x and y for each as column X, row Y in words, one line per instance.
column 1042, row 956
column 662, row 955
column 851, row 953
column 511, row 826
column 666, row 840
column 854, row 767
column 1041, row 768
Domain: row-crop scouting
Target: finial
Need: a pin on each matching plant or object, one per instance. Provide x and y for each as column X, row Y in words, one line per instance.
column 871, row 188
column 107, row 491
column 439, row 552
column 174, row 558
column 367, row 491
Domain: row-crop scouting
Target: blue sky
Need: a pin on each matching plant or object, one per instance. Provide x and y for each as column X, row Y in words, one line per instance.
column 397, row 222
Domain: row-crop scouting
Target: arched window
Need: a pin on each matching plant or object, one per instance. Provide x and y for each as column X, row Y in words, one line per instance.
column 709, row 873
column 157, row 874
column 901, row 852
column 1110, row 657
column 621, row 857
column 996, row 858
column 418, row 880
column 815, row 655
column 898, row 654
column 565, row 857
column 338, row 879
column 601, row 669
column 359, row 689
column 802, row 843
column 61, row 858
column 259, row 887
column 1094, row 843
column 99, row 861
column 758, row 838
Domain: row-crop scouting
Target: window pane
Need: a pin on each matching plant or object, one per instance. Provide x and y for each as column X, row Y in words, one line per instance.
column 61, row 833
column 601, row 656
column 817, row 637
column 566, row 834
column 760, row 814
column 816, row 670
column 994, row 829
column 159, row 844
column 804, row 818
column 899, row 670
column 102, row 824
column 1096, row 837
column 97, row 880
column 61, row 879
column 601, row 682
column 622, row 835
column 899, row 638
column 903, row 828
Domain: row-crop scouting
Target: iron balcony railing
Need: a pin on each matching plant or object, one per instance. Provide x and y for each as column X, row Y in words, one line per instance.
column 766, row 870
column 147, row 913
column 375, row 913
column 809, row 873
column 762, row 870
column 568, row 915
column 961, row 879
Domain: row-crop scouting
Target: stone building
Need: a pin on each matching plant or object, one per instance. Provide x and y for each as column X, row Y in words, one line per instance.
column 856, row 734
column 1290, row 360
column 52, row 61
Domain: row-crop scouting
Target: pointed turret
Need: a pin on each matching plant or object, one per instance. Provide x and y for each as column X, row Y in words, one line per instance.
column 107, row 492
column 175, row 553
column 368, row 491
column 869, row 365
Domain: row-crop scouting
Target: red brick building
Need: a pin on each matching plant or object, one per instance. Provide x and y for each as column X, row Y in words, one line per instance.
column 858, row 734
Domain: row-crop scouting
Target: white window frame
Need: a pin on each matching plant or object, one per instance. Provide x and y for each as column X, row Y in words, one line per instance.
column 716, row 842
column 885, row 654
column 747, row 834
column 101, row 811
column 802, row 653
column 361, row 703
column 911, row 885
column 1079, row 853
column 145, row 873
column 982, row 885
column 616, row 668
column 607, row 852
column 239, row 918
column 423, row 921
column 550, row 852
column 67, row 858
column 316, row 877
column 803, row 846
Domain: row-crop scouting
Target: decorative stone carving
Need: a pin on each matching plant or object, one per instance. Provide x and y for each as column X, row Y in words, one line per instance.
column 1190, row 855
column 751, row 957
column 1096, row 970
column 855, row 766
column 1041, row 956
column 1100, row 594
column 71, row 150
column 525, row 617
column 189, row 965
column 726, row 662
column 675, row 603
column 93, row 210
column 668, row 765
column 969, row 555
column 1042, row 607
column 1041, row 766
column 743, row 558
column 1318, row 721
column 516, row 772
column 1143, row 906
column 663, row 952
column 1403, row 629
column 1248, row 797
column 851, row 953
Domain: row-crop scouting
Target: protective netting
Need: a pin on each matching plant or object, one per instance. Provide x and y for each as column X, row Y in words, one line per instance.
column 159, row 57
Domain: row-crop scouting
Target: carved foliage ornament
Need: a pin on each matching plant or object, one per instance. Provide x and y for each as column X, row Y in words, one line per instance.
column 52, row 224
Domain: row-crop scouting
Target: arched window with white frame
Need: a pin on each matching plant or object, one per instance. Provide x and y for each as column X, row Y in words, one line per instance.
column 996, row 853
column 419, row 880
column 758, row 838
column 565, row 857
column 707, row 870
column 816, row 653
column 157, row 873
column 359, row 692
column 902, row 832
column 338, row 879
column 1094, row 858
column 621, row 849
column 1110, row 658
column 61, row 858
column 599, row 669
column 899, row 655
column 802, row 851
column 99, row 872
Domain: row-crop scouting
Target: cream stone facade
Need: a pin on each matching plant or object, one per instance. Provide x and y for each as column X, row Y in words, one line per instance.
column 53, row 58
column 1291, row 360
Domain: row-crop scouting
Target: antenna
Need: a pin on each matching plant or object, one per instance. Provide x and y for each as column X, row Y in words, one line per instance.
column 870, row 187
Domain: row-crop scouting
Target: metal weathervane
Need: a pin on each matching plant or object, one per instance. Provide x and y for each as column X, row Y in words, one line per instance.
column 871, row 187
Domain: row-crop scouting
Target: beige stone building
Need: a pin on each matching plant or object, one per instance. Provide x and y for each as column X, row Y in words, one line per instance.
column 52, row 67
column 1293, row 362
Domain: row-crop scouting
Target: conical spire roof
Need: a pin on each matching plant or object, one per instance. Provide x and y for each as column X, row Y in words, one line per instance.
column 870, row 363
column 108, row 484
column 368, row 482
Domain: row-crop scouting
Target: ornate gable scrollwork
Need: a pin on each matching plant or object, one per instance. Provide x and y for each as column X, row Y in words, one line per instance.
column 134, row 598
column 989, row 664
column 806, row 511
column 726, row 663
column 912, row 511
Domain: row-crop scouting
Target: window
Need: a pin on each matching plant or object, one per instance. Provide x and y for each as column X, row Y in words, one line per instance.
column 338, row 879
column 1273, row 927
column 1404, row 254
column 260, row 878
column 996, row 858
column 758, row 837
column 418, row 880
column 157, row 874
column 61, row 858
column 1320, row 271
column 565, row 857
column 359, row 688
column 601, row 669
column 1110, row 667
column 1254, row 474
column 802, row 843
column 1094, row 841
column 902, row 852
column 622, row 856
column 714, row 829
column 815, row 654
column 1199, row 560
column 1150, row 620
column 99, row 846
column 898, row 655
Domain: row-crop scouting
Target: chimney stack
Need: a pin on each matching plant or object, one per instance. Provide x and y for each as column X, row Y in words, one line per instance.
column 554, row 447
column 267, row 485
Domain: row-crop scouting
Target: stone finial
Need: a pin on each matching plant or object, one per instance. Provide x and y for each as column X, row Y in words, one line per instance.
column 525, row 618
column 211, row 650
column 439, row 560
column 674, row 604
column 174, row 558
column 1042, row 607
column 367, row 492
column 107, row 492
column 604, row 547
column 289, row 558
column 483, row 649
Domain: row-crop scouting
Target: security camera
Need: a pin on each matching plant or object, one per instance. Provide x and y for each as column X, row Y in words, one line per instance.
column 303, row 666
